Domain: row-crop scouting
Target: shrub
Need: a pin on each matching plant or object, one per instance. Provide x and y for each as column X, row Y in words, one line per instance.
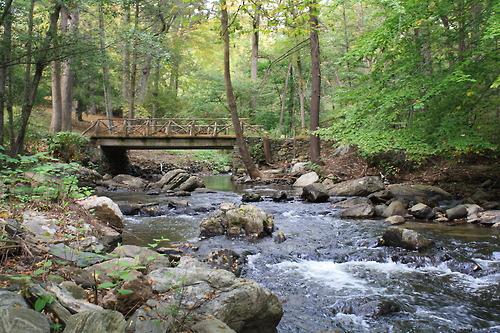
column 68, row 146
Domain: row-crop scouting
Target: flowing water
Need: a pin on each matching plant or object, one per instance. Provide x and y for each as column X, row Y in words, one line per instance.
column 330, row 275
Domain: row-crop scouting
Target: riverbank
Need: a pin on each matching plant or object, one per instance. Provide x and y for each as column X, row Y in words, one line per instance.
column 159, row 221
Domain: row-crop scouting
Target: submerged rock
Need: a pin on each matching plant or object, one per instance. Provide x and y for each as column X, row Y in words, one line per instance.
column 315, row 193
column 306, row 179
column 251, row 197
column 405, row 238
column 104, row 209
column 235, row 221
column 366, row 307
column 280, row 196
column 357, row 187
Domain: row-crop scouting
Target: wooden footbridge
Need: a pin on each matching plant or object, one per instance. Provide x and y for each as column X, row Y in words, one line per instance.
column 168, row 133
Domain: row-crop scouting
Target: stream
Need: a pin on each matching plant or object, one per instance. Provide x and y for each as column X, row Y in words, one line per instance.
column 331, row 276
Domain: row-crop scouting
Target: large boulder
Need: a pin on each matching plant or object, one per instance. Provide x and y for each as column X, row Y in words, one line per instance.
column 306, row 179
column 487, row 218
column 427, row 194
column 241, row 304
column 405, row 238
column 167, row 178
column 72, row 297
column 457, row 212
column 315, row 193
column 421, row 211
column 191, row 184
column 357, row 187
column 105, row 209
column 355, row 208
column 22, row 320
column 128, row 182
column 101, row 321
column 235, row 221
column 395, row 208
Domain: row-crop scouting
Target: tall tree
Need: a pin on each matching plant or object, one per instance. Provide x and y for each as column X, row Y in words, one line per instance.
column 105, row 66
column 31, row 84
column 252, row 170
column 69, row 25
column 254, row 59
column 135, row 57
column 314, row 146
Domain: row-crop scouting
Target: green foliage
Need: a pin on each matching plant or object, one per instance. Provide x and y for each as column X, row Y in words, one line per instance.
column 39, row 177
column 218, row 161
column 431, row 89
column 42, row 301
column 68, row 146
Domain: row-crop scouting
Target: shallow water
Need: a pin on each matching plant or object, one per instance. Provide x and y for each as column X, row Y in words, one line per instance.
column 330, row 274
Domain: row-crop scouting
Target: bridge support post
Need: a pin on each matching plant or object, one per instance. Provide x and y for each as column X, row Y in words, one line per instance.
column 115, row 160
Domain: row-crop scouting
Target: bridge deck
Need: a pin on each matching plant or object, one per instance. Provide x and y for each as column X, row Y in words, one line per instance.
column 167, row 133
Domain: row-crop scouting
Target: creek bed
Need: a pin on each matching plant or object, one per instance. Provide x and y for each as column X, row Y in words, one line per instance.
column 330, row 274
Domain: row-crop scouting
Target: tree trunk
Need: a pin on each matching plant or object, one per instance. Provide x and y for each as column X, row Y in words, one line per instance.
column 156, row 88
column 283, row 98
column 133, row 74
column 254, row 61
column 314, row 147
column 145, row 73
column 31, row 86
column 56, row 121
column 346, row 45
column 231, row 100
column 174, row 75
column 69, row 24
column 126, row 59
column 105, row 67
column 302, row 94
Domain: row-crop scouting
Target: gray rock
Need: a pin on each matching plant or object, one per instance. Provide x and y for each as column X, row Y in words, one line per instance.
column 280, row 237
column 176, row 182
column 395, row 208
column 22, row 320
column 143, row 256
column 80, row 258
column 191, row 184
column 108, row 236
column 489, row 217
column 43, row 228
column 299, row 168
column 108, row 268
column 306, row 179
column 430, row 195
column 379, row 210
column 380, row 197
column 421, row 211
column 211, row 325
column 251, row 197
column 104, row 209
column 129, row 182
column 234, row 221
column 473, row 209
column 11, row 299
column 315, row 193
column 405, row 238
column 355, row 208
column 395, row 219
column 241, row 304
column 457, row 212
column 280, row 196
column 357, row 187
column 104, row 321
column 72, row 297
column 167, row 178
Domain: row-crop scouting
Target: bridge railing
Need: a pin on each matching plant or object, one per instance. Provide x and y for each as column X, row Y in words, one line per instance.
column 170, row 127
